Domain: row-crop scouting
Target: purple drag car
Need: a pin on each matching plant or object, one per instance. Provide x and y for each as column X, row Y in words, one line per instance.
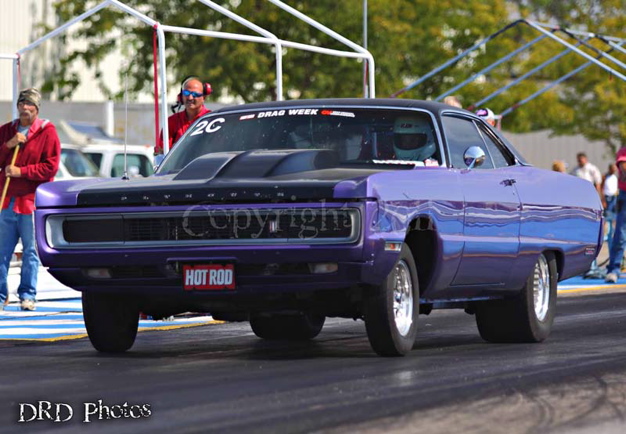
column 285, row 213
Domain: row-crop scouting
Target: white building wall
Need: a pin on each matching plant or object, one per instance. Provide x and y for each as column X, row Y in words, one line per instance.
column 20, row 26
column 542, row 150
column 18, row 22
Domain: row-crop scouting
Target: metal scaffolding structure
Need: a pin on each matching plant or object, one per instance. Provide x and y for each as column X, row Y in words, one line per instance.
column 545, row 32
column 265, row 37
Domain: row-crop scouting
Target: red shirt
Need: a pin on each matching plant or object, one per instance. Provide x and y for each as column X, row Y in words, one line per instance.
column 38, row 160
column 621, row 156
column 177, row 126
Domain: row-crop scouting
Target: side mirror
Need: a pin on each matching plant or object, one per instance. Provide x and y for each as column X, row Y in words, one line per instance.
column 473, row 157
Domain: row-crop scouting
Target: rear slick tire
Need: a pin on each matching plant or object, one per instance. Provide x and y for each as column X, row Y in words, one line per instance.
column 528, row 317
column 392, row 308
column 111, row 321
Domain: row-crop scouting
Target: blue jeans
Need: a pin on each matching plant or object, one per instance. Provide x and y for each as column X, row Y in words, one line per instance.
column 609, row 218
column 616, row 252
column 12, row 227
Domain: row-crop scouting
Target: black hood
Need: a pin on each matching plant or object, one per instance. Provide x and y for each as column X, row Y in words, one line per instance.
column 251, row 176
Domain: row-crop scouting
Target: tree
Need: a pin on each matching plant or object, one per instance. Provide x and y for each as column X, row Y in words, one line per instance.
column 592, row 103
column 408, row 38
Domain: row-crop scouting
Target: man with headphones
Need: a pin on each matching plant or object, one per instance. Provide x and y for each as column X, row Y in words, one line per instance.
column 191, row 97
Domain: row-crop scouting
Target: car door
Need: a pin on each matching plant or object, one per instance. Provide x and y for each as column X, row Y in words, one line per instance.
column 492, row 208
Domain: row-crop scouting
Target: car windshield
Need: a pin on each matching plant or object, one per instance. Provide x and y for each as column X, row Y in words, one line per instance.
column 77, row 164
column 359, row 136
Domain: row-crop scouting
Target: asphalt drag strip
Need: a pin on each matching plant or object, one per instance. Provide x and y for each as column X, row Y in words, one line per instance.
column 56, row 320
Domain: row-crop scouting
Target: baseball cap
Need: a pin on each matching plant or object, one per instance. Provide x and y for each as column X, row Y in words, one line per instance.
column 486, row 114
column 30, row 95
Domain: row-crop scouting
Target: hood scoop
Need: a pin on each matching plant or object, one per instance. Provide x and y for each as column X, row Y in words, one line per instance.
column 258, row 164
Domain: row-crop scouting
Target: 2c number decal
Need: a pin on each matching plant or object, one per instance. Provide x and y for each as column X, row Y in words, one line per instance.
column 208, row 127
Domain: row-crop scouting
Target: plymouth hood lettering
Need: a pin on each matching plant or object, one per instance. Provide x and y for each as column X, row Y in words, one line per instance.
column 278, row 175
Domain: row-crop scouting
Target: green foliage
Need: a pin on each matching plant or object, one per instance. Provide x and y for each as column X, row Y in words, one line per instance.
column 592, row 102
column 408, row 38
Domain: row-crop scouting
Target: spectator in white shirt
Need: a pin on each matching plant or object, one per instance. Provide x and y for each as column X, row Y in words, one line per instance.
column 591, row 173
column 588, row 171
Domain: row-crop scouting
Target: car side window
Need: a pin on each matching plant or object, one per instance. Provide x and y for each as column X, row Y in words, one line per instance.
column 460, row 135
column 137, row 165
column 95, row 157
column 77, row 164
column 500, row 156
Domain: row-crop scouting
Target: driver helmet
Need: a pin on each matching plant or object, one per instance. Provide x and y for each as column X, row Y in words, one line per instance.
column 412, row 139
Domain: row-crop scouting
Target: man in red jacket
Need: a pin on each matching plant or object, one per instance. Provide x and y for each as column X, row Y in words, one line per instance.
column 37, row 162
column 191, row 96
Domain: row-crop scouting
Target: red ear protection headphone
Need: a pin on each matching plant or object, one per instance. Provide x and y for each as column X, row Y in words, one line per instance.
column 206, row 88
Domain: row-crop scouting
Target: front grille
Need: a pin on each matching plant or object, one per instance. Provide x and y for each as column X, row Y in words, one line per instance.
column 237, row 225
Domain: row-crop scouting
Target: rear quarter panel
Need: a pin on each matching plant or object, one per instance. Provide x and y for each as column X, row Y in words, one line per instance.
column 559, row 212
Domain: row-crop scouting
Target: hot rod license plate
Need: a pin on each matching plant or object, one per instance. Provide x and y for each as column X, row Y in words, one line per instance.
column 208, row 276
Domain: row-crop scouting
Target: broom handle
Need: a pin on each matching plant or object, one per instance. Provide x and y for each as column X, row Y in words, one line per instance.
column 4, row 194
column 6, row 181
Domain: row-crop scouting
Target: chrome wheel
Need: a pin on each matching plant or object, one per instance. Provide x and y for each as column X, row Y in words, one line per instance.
column 541, row 288
column 391, row 308
column 403, row 298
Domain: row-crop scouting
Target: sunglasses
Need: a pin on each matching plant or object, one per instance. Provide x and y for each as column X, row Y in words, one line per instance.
column 191, row 93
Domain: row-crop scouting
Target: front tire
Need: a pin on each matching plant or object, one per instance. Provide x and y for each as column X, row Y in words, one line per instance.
column 391, row 309
column 302, row 327
column 527, row 318
column 111, row 321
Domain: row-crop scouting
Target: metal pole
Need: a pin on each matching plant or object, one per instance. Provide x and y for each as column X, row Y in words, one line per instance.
column 580, row 52
column 64, row 27
column 15, row 59
column 365, row 87
column 601, row 53
column 548, row 87
column 15, row 89
column 591, row 35
column 166, row 133
column 322, row 28
column 279, row 72
column 363, row 52
column 141, row 17
column 454, row 59
column 521, row 78
column 490, row 67
column 613, row 44
column 279, row 54
column 370, row 76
